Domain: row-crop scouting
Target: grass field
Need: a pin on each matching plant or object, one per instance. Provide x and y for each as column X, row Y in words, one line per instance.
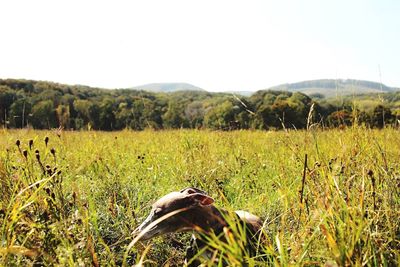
column 73, row 198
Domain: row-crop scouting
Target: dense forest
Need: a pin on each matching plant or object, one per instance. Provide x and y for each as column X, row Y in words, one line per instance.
column 46, row 105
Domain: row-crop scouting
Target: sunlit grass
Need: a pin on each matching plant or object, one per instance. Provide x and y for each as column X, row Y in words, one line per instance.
column 76, row 200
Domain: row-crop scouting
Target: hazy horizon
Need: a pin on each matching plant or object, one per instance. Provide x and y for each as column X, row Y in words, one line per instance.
column 217, row 46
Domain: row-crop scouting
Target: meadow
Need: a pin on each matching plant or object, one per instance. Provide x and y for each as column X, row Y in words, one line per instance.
column 327, row 197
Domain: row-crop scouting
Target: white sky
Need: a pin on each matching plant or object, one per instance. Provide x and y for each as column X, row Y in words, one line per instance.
column 216, row 45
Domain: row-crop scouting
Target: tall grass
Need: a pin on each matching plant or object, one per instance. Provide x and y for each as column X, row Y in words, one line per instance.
column 74, row 198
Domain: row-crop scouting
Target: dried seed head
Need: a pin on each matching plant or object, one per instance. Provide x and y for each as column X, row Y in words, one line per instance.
column 48, row 168
column 18, row 143
column 46, row 140
column 25, row 153
column 30, row 144
column 53, row 151
column 45, row 215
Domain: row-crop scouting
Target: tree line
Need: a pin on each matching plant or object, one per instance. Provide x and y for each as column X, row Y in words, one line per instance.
column 46, row 105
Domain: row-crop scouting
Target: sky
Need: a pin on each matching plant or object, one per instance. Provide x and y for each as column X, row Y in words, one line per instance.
column 217, row 45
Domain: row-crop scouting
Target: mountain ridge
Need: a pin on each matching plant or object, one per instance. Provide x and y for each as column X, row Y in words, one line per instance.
column 332, row 87
column 319, row 87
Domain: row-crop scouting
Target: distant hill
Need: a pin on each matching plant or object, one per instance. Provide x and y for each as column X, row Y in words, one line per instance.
column 168, row 87
column 331, row 87
column 323, row 88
